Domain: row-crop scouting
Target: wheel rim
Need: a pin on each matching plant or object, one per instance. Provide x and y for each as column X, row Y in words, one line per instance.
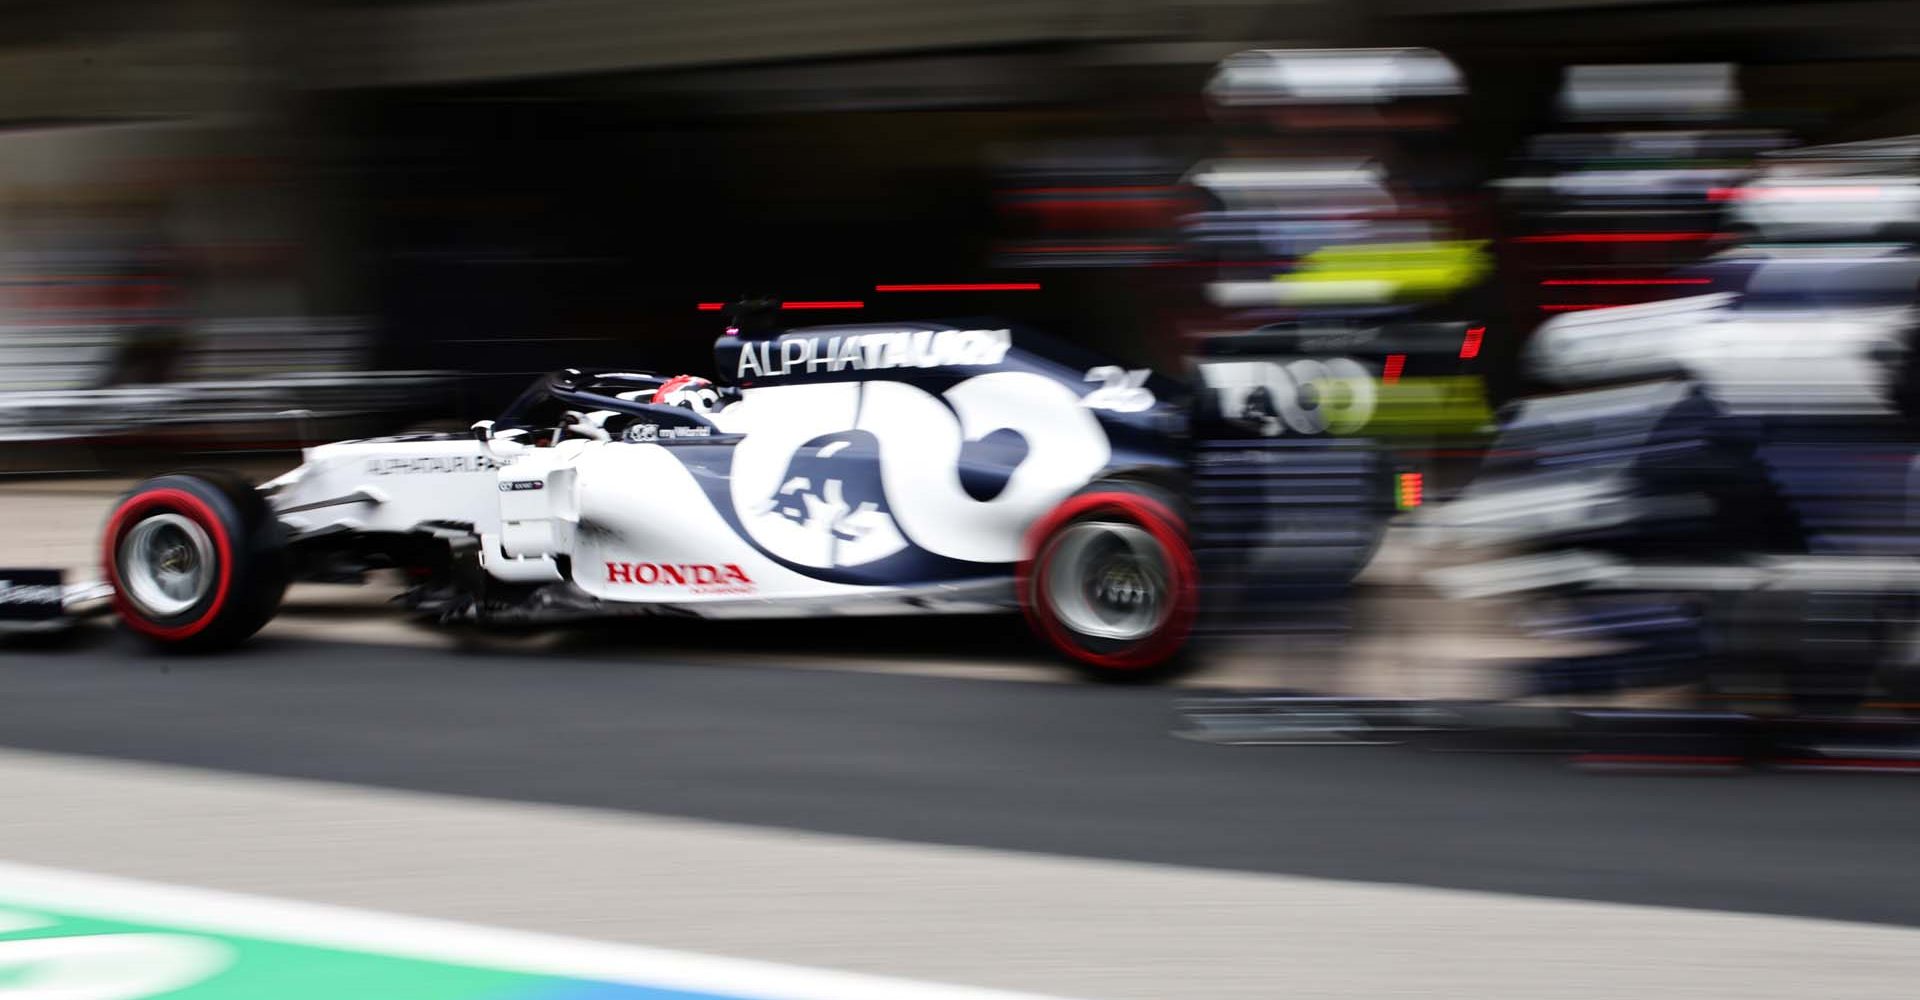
column 1109, row 580
column 167, row 564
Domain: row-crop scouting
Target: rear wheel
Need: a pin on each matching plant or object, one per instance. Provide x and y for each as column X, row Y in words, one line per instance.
column 1111, row 582
column 197, row 561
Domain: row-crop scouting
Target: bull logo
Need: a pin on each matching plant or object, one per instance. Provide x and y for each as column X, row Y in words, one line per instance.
column 831, row 495
column 842, row 474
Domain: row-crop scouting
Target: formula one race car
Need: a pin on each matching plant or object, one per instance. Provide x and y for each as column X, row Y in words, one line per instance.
column 867, row 469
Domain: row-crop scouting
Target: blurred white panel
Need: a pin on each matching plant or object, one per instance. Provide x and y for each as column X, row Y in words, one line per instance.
column 1333, row 76
column 1657, row 90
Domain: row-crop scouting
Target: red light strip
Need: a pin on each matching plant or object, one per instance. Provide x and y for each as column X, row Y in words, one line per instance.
column 1411, row 489
column 1224, row 264
column 712, row 307
column 1004, row 286
column 1470, row 344
column 1116, row 189
column 1084, row 204
column 834, row 304
column 1627, row 281
column 1102, row 248
column 1391, row 372
column 1614, row 237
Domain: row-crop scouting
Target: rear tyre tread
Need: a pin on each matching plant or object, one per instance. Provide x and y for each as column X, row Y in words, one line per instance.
column 1164, row 654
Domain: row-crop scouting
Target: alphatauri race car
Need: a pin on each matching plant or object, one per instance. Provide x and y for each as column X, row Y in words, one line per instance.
column 839, row 470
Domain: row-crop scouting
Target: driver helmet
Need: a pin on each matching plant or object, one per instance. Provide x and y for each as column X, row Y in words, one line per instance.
column 689, row 391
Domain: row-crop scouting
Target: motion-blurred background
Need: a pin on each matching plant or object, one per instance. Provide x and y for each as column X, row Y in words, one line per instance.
column 237, row 225
column 229, row 228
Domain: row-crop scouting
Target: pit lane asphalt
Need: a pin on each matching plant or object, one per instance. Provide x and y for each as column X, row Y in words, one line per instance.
column 1061, row 769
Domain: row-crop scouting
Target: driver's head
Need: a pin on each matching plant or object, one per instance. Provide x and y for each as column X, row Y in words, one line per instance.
column 689, row 391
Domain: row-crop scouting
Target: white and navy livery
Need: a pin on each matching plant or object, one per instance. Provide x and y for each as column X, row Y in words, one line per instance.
column 863, row 469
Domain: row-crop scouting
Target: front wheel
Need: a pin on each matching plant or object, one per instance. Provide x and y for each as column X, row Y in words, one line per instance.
column 196, row 561
column 1111, row 582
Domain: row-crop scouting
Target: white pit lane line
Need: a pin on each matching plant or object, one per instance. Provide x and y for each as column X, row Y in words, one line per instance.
column 180, row 913
column 1003, row 920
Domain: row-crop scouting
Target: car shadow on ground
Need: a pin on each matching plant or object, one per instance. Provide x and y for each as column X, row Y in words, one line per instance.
column 994, row 638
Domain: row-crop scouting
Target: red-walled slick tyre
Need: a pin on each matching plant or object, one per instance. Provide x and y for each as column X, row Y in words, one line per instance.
column 197, row 561
column 1111, row 582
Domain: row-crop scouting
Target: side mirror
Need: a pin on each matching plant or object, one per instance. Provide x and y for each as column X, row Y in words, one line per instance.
column 502, row 447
